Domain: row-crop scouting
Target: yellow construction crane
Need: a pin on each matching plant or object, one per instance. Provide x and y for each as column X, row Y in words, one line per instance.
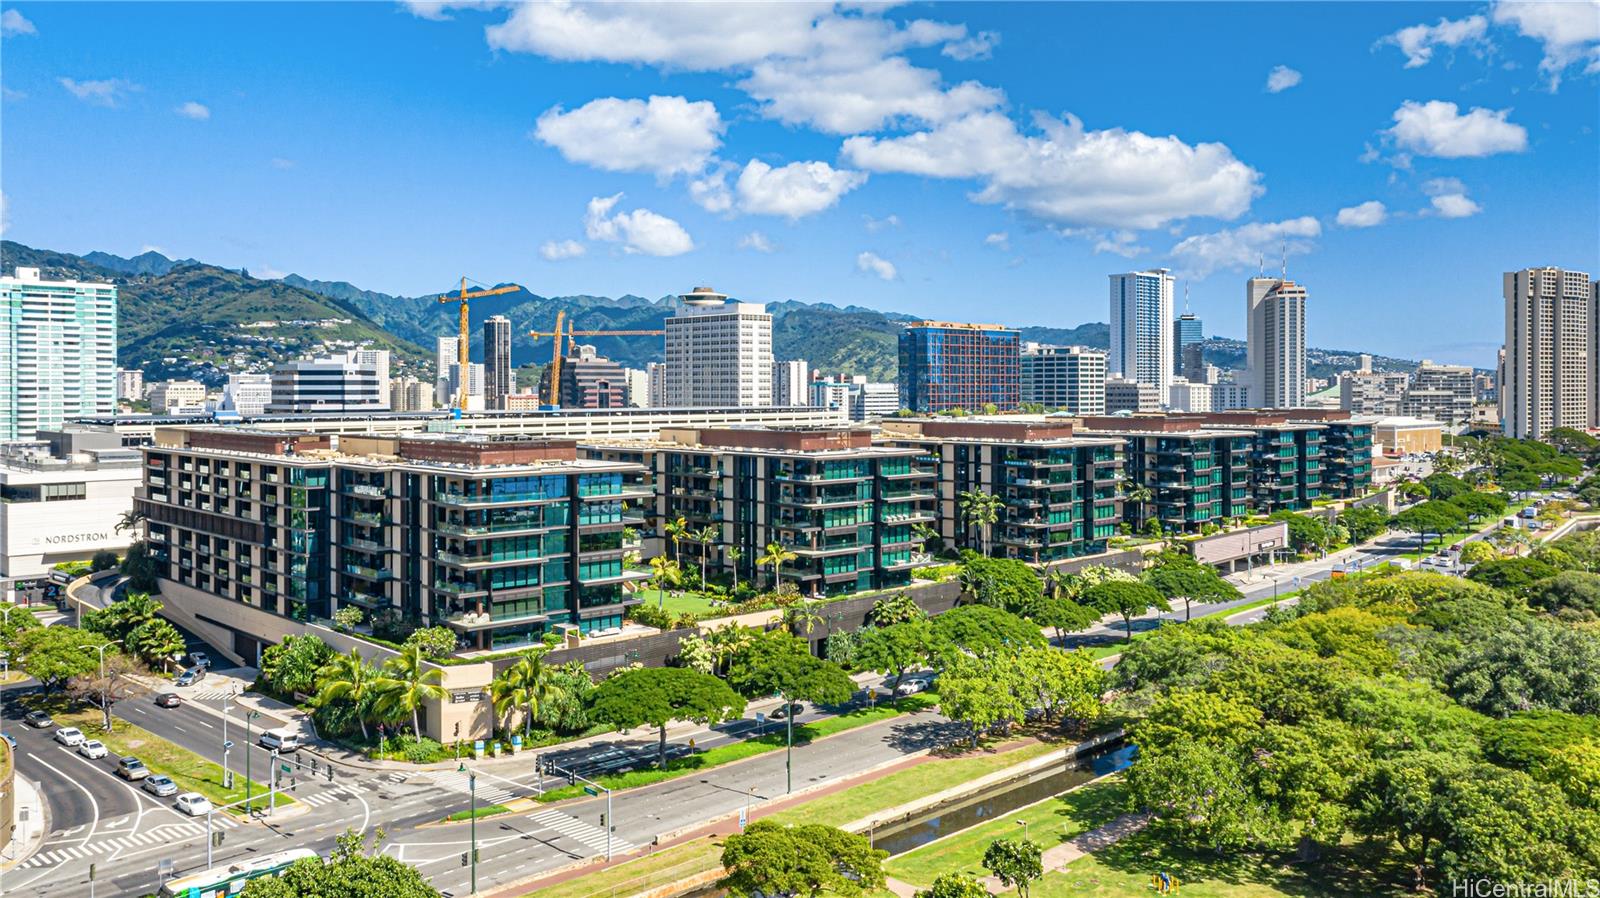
column 466, row 333
column 571, row 335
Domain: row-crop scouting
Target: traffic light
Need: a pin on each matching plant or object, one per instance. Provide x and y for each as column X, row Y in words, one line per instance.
column 216, row 839
column 602, row 821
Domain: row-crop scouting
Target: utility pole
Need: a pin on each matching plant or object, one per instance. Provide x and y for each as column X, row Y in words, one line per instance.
column 247, row 742
column 102, row 650
column 472, row 789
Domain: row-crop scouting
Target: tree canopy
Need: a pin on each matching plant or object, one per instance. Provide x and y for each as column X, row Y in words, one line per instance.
column 1176, row 575
column 1125, row 600
column 980, row 629
column 659, row 695
column 770, row 860
column 776, row 663
column 349, row 872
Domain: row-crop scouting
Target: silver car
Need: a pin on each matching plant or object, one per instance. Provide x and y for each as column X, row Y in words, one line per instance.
column 160, row 786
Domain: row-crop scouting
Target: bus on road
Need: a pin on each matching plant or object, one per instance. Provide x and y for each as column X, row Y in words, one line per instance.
column 223, row 882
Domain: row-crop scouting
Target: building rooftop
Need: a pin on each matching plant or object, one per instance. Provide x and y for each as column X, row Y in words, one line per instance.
column 997, row 429
column 806, row 442
column 438, row 453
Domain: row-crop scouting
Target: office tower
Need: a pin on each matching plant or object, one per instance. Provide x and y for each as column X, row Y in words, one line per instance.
column 335, row 384
column 1191, row 397
column 718, row 354
column 1594, row 354
column 1186, row 332
column 1366, row 363
column 173, row 397
column 247, row 394
column 58, row 352
column 657, row 372
column 1070, row 378
column 378, row 361
column 874, row 401
column 1373, row 392
column 1227, row 395
column 1133, row 396
column 1192, row 363
column 1442, row 393
column 967, row 366
column 635, row 387
column 587, row 381
column 1141, row 329
column 497, row 377
column 447, row 355
column 1276, row 314
column 130, row 384
column 791, row 383
column 1550, row 325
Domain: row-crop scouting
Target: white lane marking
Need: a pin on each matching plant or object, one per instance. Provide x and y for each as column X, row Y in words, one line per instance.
column 95, row 805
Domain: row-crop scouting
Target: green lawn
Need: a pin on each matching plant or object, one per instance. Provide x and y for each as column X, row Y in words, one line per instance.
column 484, row 810
column 188, row 770
column 686, row 602
column 1049, row 822
column 1125, row 869
column 774, row 739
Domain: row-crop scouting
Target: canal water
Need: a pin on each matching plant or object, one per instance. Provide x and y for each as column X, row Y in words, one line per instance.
column 902, row 836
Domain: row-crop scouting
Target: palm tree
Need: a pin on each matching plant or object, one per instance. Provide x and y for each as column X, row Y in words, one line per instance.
column 675, row 530
column 665, row 572
column 524, row 686
column 706, row 536
column 131, row 519
column 734, row 554
column 802, row 619
column 349, row 678
column 923, row 534
column 726, row 641
column 1138, row 496
column 982, row 510
column 404, row 684
column 775, row 557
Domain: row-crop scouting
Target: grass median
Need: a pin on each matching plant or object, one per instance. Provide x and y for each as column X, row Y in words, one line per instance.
column 189, row 771
column 773, row 740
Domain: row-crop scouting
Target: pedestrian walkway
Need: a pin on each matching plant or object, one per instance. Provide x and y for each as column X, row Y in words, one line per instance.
column 1087, row 843
column 166, row 833
column 591, row 837
column 488, row 791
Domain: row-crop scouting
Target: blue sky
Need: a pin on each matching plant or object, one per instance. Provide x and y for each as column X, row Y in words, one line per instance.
column 966, row 161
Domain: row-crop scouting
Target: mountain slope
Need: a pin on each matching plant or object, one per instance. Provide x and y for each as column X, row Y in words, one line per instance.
column 189, row 319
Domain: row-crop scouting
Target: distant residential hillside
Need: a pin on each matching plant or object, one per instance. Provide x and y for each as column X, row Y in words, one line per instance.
column 187, row 319
column 193, row 313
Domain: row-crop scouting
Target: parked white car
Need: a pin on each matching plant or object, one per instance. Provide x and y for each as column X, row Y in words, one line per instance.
column 193, row 803
column 93, row 749
column 71, row 737
column 910, row 687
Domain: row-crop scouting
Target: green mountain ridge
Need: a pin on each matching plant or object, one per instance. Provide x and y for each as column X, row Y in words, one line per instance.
column 208, row 340
column 185, row 321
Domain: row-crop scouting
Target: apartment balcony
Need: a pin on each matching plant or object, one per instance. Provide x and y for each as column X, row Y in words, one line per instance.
column 914, row 472
column 366, row 545
column 907, row 495
column 472, row 621
column 909, row 517
column 501, row 529
column 370, row 573
column 364, row 599
column 459, row 588
column 1021, row 542
column 822, row 501
column 466, row 500
column 367, row 491
column 368, row 519
column 820, row 478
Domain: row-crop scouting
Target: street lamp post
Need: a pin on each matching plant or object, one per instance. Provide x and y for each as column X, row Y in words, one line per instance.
column 472, row 789
column 227, row 774
column 247, row 718
column 272, row 784
column 1024, row 825
column 102, row 650
column 788, row 759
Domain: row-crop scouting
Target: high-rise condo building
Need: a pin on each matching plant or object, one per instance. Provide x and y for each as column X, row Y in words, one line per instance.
column 1442, row 393
column 656, row 389
column 635, row 387
column 588, row 380
column 1373, row 392
column 130, row 384
column 447, row 355
column 968, row 366
column 497, row 376
column 1065, row 377
column 1187, row 331
column 1549, row 374
column 791, row 383
column 1276, row 351
column 719, row 354
column 1141, row 329
column 58, row 352
column 247, row 394
column 1124, row 395
column 177, row 397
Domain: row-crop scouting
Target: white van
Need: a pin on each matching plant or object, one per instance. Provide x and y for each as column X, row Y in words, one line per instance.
column 283, row 740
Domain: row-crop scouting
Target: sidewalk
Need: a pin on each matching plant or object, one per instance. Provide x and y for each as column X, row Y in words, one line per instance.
column 30, row 806
column 1095, row 839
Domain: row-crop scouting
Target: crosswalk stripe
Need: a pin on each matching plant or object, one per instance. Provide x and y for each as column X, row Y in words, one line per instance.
column 592, row 837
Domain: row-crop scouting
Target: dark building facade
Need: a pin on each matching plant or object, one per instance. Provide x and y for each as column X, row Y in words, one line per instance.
column 966, row 366
column 588, row 381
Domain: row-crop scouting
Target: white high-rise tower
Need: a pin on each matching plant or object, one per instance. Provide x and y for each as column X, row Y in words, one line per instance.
column 719, row 354
column 1141, row 329
column 58, row 352
column 1551, row 322
column 1275, row 311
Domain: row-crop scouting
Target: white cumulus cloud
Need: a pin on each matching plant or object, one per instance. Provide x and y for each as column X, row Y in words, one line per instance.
column 874, row 264
column 795, row 190
column 999, row 239
column 1448, row 199
column 1068, row 175
column 193, row 110
column 1281, row 78
column 1245, row 246
column 557, row 250
column 1568, row 29
column 13, row 23
column 1437, row 128
column 639, row 231
column 5, row 212
column 664, row 135
column 1418, row 42
column 979, row 46
column 101, row 92
column 1368, row 214
column 755, row 240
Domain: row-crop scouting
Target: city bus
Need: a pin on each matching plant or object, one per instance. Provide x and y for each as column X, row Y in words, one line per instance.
column 222, row 882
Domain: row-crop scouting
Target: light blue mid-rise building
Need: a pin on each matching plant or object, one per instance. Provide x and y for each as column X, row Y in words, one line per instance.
column 58, row 352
